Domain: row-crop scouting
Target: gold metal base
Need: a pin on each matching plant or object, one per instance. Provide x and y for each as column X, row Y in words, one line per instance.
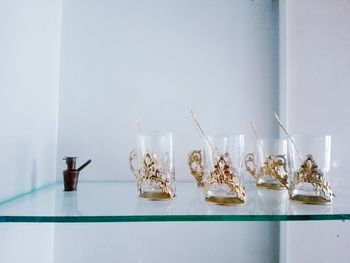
column 156, row 196
column 311, row 200
column 227, row 201
column 272, row 186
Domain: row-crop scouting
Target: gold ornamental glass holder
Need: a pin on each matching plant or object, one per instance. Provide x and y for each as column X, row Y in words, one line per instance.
column 310, row 180
column 153, row 166
column 268, row 165
column 217, row 169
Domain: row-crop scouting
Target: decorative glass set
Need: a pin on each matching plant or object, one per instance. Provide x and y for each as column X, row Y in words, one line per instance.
column 300, row 167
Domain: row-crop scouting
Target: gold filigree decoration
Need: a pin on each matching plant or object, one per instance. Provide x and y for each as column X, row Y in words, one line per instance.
column 274, row 166
column 150, row 170
column 132, row 158
column 224, row 174
column 195, row 164
column 251, row 165
column 309, row 173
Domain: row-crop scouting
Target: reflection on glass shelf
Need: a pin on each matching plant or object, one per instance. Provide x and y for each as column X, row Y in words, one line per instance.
column 118, row 202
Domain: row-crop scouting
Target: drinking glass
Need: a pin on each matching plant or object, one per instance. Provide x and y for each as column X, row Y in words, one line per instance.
column 268, row 165
column 152, row 163
column 310, row 160
column 218, row 168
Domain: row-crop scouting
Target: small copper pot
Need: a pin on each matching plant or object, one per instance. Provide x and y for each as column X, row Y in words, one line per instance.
column 71, row 175
column 70, row 180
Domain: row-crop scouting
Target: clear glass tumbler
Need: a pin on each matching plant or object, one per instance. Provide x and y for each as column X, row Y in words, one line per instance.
column 218, row 168
column 152, row 163
column 310, row 163
column 268, row 165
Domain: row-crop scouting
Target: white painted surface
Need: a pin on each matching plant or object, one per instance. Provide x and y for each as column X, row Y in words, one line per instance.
column 317, row 80
column 158, row 60
column 29, row 56
column 26, row 243
column 318, row 241
column 165, row 242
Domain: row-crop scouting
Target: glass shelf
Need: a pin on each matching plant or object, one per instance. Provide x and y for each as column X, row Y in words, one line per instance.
column 118, row 202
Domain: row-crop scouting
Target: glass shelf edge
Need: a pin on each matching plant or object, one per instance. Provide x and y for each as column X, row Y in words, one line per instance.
column 169, row 218
column 173, row 217
column 24, row 194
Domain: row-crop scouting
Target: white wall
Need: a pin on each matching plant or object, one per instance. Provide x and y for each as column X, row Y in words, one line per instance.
column 317, row 94
column 26, row 243
column 165, row 242
column 157, row 60
column 29, row 56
